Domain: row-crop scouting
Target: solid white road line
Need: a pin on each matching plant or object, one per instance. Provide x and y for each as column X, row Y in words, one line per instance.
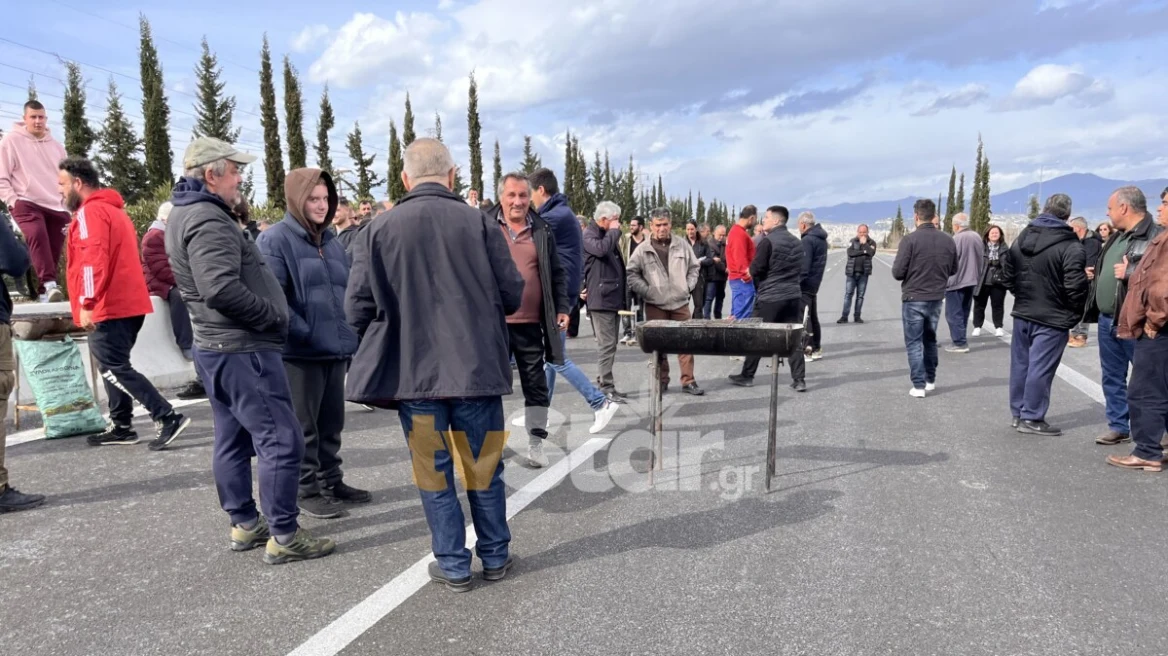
column 359, row 619
column 1093, row 390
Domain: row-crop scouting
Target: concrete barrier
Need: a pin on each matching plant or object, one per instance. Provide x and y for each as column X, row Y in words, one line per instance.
column 155, row 354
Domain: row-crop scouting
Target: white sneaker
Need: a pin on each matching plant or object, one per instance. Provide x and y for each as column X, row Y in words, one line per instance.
column 520, row 421
column 917, row 393
column 817, row 355
column 977, row 332
column 929, row 387
column 999, row 333
column 603, row 416
column 535, row 456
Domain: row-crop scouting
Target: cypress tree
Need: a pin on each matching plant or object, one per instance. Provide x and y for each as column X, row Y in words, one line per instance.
column 437, row 126
column 580, row 173
column 946, row 222
column 247, row 187
column 32, row 92
column 155, row 111
column 79, row 137
column 975, row 195
column 475, row 141
column 609, row 191
column 118, row 150
column 628, row 191
column 961, row 194
column 986, row 205
column 273, row 156
column 324, row 122
column 660, row 191
column 366, row 178
column 408, row 125
column 597, row 179
column 700, row 213
column 397, row 188
column 951, row 200
column 569, row 184
column 1034, row 210
column 213, row 110
column 498, row 169
column 294, row 117
column 531, row 161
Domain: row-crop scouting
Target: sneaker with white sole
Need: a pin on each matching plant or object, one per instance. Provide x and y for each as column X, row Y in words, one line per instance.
column 977, row 332
column 929, row 387
column 917, row 393
column 999, row 333
column 54, row 295
column 603, row 416
column 535, row 456
column 957, row 349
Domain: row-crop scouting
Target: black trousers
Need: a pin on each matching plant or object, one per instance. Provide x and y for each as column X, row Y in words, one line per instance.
column 997, row 298
column 111, row 343
column 790, row 311
column 574, row 320
column 811, row 301
column 180, row 321
column 699, row 297
column 318, row 397
column 527, row 348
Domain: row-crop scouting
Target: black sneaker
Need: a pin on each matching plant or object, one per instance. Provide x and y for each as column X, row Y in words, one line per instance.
column 693, row 389
column 858, row 319
column 169, row 428
column 115, row 434
column 455, row 585
column 192, row 390
column 498, row 574
column 741, row 381
column 842, row 320
column 1014, row 422
column 1038, row 428
column 346, row 494
column 799, row 386
column 14, row 501
column 319, row 506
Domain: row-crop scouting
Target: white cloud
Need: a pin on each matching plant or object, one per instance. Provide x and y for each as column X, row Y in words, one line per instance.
column 966, row 96
column 309, row 37
column 1049, row 83
column 370, row 49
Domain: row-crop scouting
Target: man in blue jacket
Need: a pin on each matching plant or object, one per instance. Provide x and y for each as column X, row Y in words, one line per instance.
column 565, row 227
column 311, row 265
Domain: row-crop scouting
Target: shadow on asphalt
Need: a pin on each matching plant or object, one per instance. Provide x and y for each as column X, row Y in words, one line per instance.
column 169, row 483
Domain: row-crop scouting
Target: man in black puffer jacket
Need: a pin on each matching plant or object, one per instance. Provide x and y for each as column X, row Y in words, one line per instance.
column 1046, row 272
column 815, row 249
column 780, row 269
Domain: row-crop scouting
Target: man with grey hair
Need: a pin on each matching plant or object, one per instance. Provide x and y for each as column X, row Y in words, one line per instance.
column 815, row 250
column 607, row 289
column 240, row 319
column 1092, row 245
column 1127, row 208
column 430, row 288
column 959, row 291
column 1046, row 271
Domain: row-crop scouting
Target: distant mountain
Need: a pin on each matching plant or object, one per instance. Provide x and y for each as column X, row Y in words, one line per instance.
column 1088, row 192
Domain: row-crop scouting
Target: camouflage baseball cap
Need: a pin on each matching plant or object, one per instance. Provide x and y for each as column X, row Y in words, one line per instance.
column 204, row 150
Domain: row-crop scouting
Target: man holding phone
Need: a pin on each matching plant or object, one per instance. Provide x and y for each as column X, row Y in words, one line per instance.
column 1092, row 246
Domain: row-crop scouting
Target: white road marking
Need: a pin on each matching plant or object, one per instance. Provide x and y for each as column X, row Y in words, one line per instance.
column 1092, row 389
column 359, row 619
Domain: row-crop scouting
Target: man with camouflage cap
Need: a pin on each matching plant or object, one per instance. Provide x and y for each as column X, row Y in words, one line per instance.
column 240, row 319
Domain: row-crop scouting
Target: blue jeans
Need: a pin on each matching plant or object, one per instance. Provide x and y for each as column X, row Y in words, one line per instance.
column 1115, row 356
column 857, row 285
column 577, row 378
column 1149, row 397
column 958, row 303
column 473, row 419
column 741, row 299
column 920, row 319
column 1035, row 353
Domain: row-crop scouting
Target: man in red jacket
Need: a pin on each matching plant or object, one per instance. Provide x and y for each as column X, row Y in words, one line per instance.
column 103, row 247
column 739, row 255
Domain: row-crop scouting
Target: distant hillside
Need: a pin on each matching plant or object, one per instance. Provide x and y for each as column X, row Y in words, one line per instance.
column 1089, row 193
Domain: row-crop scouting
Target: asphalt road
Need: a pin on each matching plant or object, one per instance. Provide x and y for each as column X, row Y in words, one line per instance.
column 898, row 526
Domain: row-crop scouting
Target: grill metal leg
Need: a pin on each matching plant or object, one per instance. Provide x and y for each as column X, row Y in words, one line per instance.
column 772, row 427
column 655, row 412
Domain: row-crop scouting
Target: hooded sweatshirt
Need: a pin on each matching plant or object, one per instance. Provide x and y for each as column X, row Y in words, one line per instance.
column 312, row 269
column 1045, row 271
column 28, row 168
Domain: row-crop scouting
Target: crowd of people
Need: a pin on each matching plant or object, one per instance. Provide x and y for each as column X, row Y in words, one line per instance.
column 436, row 304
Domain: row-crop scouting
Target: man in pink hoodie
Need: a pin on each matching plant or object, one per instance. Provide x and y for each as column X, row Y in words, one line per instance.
column 29, row 156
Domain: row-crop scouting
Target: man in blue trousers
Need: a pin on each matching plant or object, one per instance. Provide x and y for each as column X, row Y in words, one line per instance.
column 240, row 321
column 1046, row 271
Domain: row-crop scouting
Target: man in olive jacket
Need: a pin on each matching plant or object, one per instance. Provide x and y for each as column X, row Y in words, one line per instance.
column 430, row 289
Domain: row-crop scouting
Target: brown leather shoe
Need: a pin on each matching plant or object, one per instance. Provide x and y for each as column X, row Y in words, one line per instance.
column 1111, row 438
column 1077, row 342
column 1132, row 462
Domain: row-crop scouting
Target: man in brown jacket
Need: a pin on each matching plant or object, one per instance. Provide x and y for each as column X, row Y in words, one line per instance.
column 1144, row 314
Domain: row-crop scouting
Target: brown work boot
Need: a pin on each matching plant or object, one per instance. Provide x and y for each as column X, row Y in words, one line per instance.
column 1111, row 438
column 1078, row 341
column 1132, row 462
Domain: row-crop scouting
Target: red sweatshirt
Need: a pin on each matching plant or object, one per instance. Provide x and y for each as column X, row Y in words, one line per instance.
column 103, row 248
column 739, row 253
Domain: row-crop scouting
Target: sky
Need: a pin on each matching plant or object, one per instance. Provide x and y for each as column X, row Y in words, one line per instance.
column 750, row 101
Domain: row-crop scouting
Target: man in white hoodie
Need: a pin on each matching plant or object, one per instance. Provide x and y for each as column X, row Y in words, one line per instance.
column 29, row 156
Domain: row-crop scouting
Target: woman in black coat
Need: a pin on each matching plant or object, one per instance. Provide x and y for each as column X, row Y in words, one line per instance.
column 702, row 252
column 990, row 286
